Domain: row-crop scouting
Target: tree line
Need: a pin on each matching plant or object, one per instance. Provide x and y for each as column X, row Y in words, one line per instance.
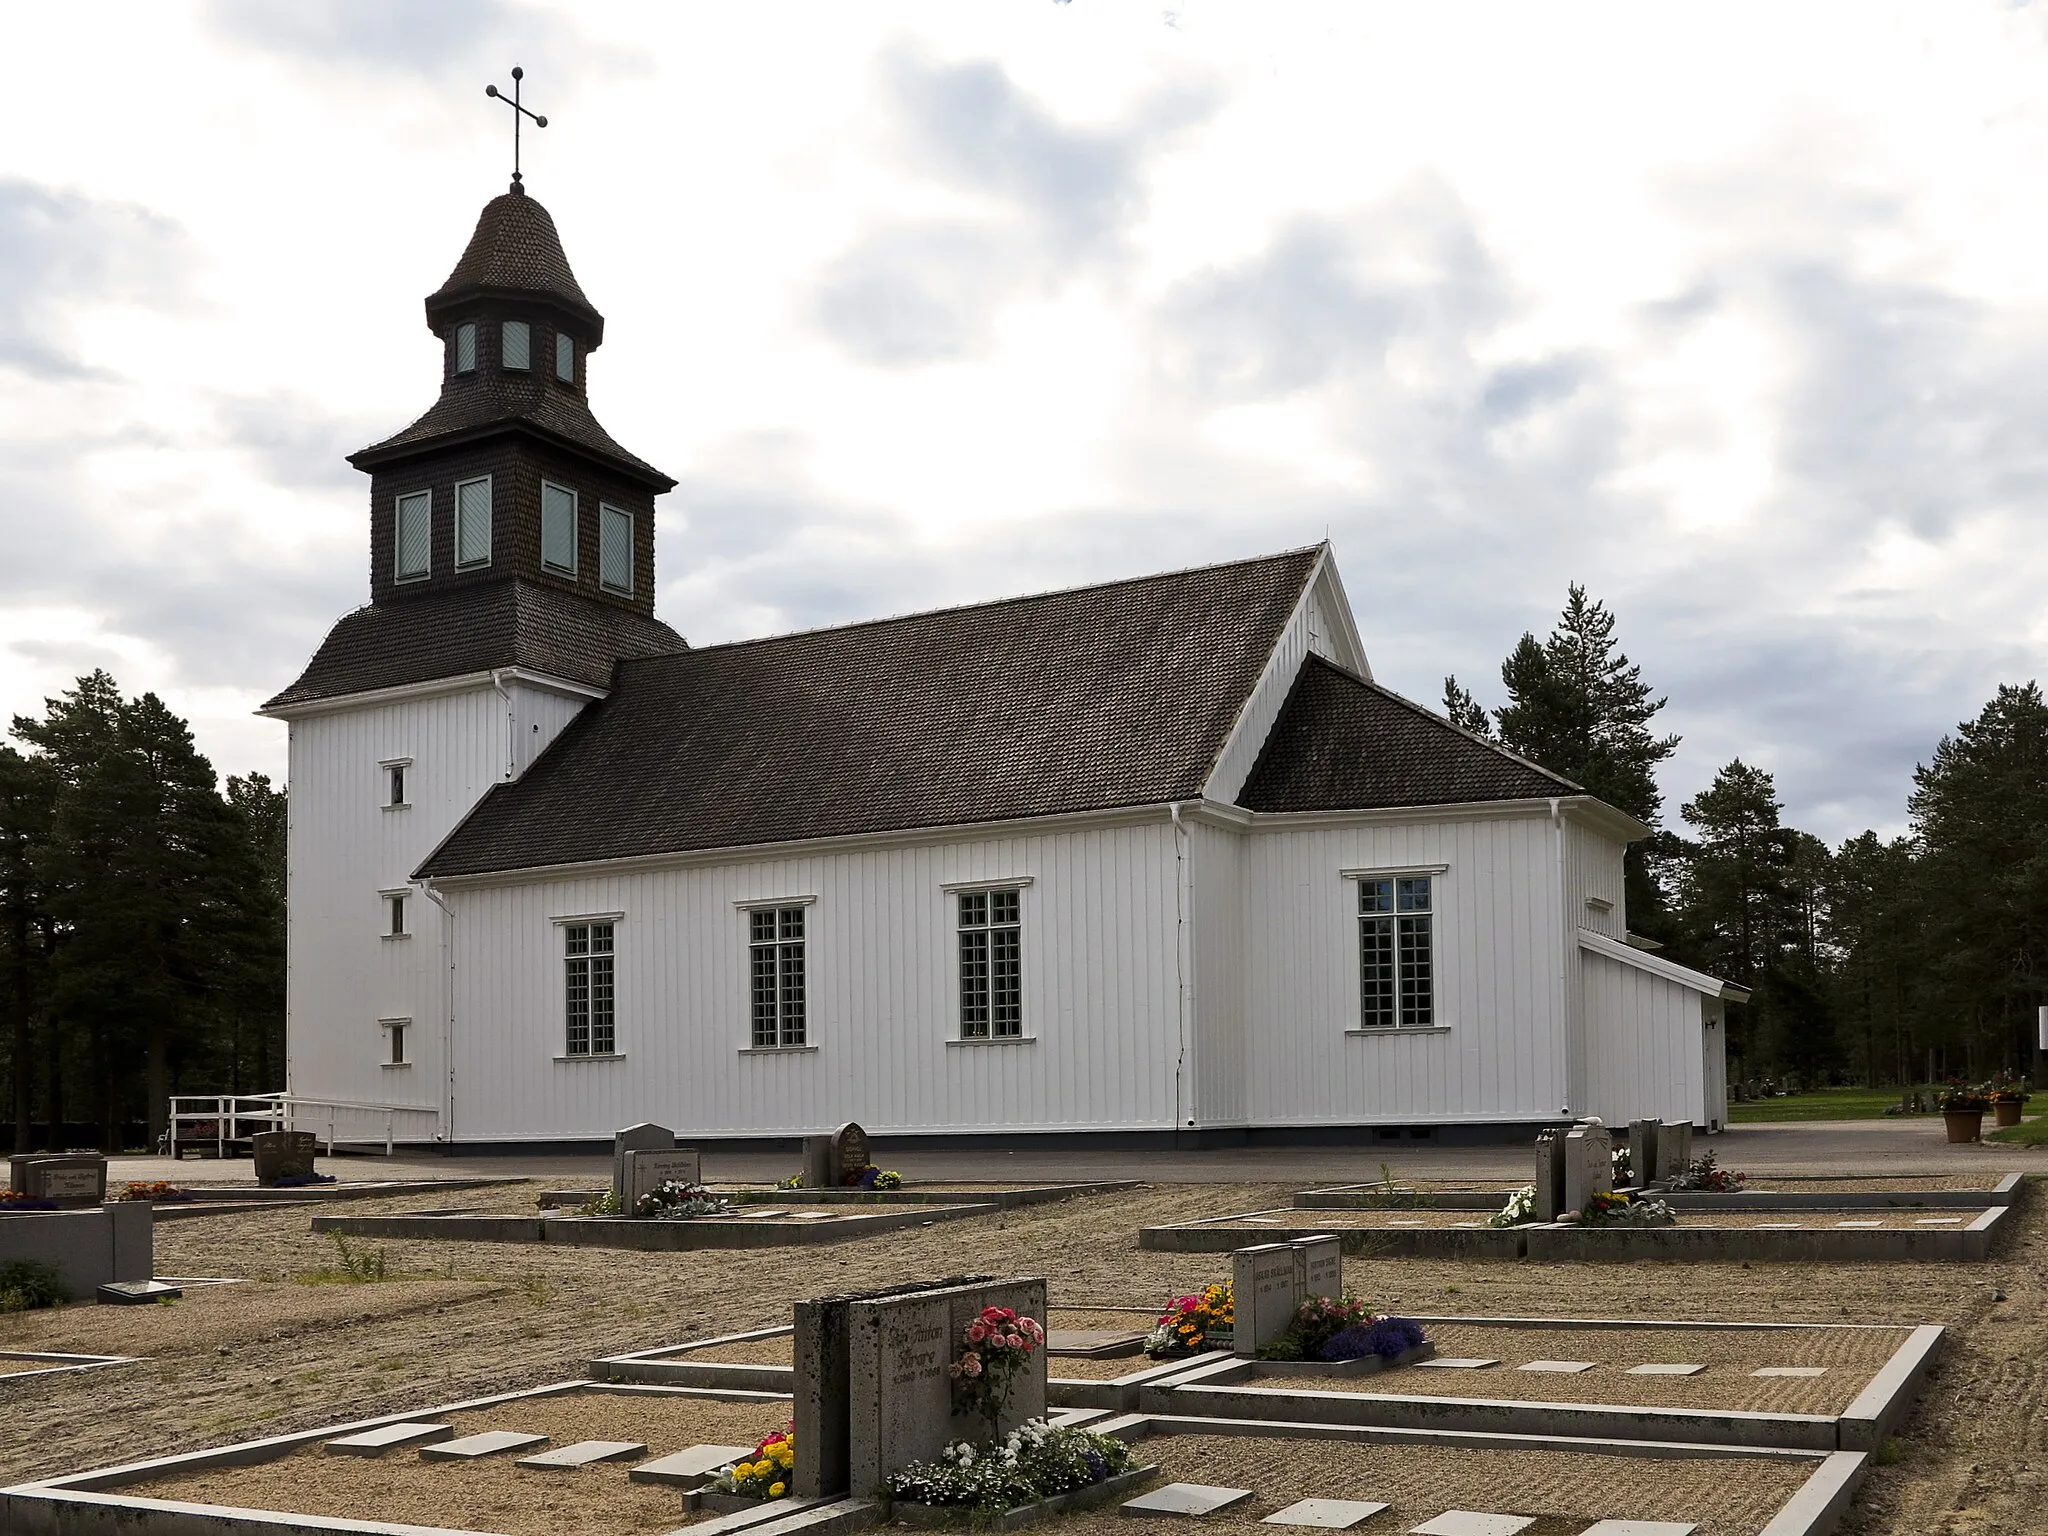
column 1878, row 959
column 141, row 921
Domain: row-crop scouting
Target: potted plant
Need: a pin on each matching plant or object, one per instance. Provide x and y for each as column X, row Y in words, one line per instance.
column 1962, row 1110
column 2009, row 1094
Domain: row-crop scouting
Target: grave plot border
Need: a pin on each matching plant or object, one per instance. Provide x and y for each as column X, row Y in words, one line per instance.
column 235, row 1199
column 1225, row 1388
column 60, row 1363
column 82, row 1503
column 645, row 1236
column 1551, row 1242
column 1005, row 1196
column 1366, row 1197
column 1815, row 1508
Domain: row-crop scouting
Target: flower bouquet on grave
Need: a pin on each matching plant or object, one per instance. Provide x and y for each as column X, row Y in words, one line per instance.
column 1706, row 1175
column 1035, row 1461
column 997, row 1346
column 1316, row 1322
column 156, row 1193
column 1608, row 1209
column 1191, row 1324
column 871, row 1177
column 15, row 1200
column 1387, row 1337
column 1519, row 1211
column 766, row 1473
column 300, row 1180
column 673, row 1200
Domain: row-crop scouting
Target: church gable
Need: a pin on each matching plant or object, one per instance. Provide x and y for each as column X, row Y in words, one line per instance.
column 1342, row 743
column 1091, row 699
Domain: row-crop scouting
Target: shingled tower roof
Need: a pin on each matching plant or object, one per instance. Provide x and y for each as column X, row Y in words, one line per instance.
column 515, row 252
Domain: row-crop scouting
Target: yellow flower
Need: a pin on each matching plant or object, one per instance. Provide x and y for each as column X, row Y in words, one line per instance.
column 776, row 1491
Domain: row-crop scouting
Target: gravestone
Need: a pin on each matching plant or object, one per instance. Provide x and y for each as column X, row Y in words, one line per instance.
column 1263, row 1294
column 900, row 1394
column 1588, row 1164
column 818, row 1172
column 849, row 1151
column 1643, row 1150
column 1549, row 1174
column 1674, row 1150
column 648, row 1171
column 283, row 1155
column 1318, row 1267
column 821, row 1363
column 70, row 1179
column 644, row 1137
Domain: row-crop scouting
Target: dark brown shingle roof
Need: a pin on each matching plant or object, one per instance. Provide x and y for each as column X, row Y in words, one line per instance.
column 515, row 250
column 473, row 629
column 490, row 401
column 1105, row 696
column 1344, row 744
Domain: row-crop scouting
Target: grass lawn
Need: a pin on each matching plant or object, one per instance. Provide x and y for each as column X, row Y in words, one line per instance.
column 1826, row 1104
column 2028, row 1133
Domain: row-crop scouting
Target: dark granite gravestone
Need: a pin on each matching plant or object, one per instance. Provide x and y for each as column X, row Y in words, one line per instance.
column 283, row 1155
column 644, row 1137
column 70, row 1179
column 1642, row 1150
column 818, row 1163
column 849, row 1151
column 1549, row 1174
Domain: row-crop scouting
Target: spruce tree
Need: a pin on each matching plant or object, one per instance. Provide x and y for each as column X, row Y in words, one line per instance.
column 1466, row 712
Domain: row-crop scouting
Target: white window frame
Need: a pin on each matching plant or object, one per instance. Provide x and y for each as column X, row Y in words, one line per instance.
column 395, row 1032
column 397, row 780
column 606, row 509
column 575, row 541
column 956, row 897
column 1354, row 880
column 478, row 562
column 506, row 330
column 465, row 343
column 565, row 349
column 800, row 905
column 564, row 927
column 398, row 570
column 397, row 907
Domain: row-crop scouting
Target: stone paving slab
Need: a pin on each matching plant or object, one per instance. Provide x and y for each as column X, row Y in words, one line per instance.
column 1467, row 1522
column 375, row 1442
column 691, row 1467
column 1325, row 1514
column 1640, row 1528
column 586, row 1453
column 491, row 1442
column 1189, row 1499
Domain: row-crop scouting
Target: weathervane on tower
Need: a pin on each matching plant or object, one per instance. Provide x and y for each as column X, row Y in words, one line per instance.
column 518, row 112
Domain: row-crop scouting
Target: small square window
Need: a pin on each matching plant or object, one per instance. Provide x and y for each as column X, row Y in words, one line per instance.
column 465, row 348
column 565, row 357
column 518, row 345
column 615, row 548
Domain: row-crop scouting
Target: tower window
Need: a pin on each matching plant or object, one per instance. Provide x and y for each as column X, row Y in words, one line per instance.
column 557, row 528
column 472, row 523
column 413, row 554
column 518, row 343
column 615, row 548
column 465, row 348
column 565, row 358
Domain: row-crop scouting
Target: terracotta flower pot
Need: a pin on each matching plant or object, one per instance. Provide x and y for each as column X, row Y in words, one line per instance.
column 1964, row 1124
column 2006, row 1111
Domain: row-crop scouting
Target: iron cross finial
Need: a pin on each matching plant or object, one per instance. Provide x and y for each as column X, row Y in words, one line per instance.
column 518, row 112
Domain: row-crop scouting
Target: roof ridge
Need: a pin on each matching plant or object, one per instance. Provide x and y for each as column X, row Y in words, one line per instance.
column 1446, row 722
column 994, row 602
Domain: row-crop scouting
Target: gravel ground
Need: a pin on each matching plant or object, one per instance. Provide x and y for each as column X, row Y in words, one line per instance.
column 235, row 1362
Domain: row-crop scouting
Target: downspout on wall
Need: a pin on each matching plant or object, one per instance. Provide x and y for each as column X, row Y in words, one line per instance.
column 1574, row 1042
column 1183, row 1093
column 447, row 1132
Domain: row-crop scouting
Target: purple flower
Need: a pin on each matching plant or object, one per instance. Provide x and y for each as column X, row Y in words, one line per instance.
column 1386, row 1337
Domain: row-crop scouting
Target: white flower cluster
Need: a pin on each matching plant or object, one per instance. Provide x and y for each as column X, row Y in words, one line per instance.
column 1521, row 1207
column 1034, row 1461
column 1649, row 1213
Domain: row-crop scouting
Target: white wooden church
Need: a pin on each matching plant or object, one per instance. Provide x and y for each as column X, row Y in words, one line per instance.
column 1155, row 858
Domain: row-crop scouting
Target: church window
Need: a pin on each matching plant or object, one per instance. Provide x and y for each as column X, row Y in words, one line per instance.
column 394, row 1041
column 615, row 548
column 465, row 348
column 517, row 342
column 991, row 964
column 1396, row 951
column 394, row 782
column 472, row 523
column 394, row 915
column 557, row 528
column 587, row 972
column 565, row 357
column 413, row 555
column 775, row 963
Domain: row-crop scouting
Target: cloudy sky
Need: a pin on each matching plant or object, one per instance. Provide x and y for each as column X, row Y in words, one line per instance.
column 1737, row 314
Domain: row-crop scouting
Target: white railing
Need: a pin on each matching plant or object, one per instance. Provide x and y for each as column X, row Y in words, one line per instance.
column 236, row 1117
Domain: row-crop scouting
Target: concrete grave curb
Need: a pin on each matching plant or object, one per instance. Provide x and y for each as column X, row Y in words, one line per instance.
column 646, row 1236
column 1366, row 1197
column 60, row 1363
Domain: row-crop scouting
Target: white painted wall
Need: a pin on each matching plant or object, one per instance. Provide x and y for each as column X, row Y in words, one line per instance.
column 1500, row 983
column 1100, row 994
column 1222, row 1079
column 346, row 846
column 1647, row 1053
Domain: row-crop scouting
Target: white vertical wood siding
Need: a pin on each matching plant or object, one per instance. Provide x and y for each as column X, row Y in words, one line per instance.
column 1593, row 869
column 1314, row 630
column 1100, row 995
column 1221, row 1081
column 1645, row 1050
column 1500, row 984
column 1714, row 1023
column 345, row 848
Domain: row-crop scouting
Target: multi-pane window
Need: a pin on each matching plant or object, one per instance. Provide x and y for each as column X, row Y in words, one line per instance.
column 991, row 965
column 775, row 966
column 565, row 358
column 413, row 546
column 557, row 528
column 588, row 983
column 465, row 348
column 517, row 341
column 615, row 548
column 1396, row 957
column 473, row 523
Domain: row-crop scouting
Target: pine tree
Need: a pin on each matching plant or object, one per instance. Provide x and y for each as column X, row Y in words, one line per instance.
column 27, row 805
column 1466, row 712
